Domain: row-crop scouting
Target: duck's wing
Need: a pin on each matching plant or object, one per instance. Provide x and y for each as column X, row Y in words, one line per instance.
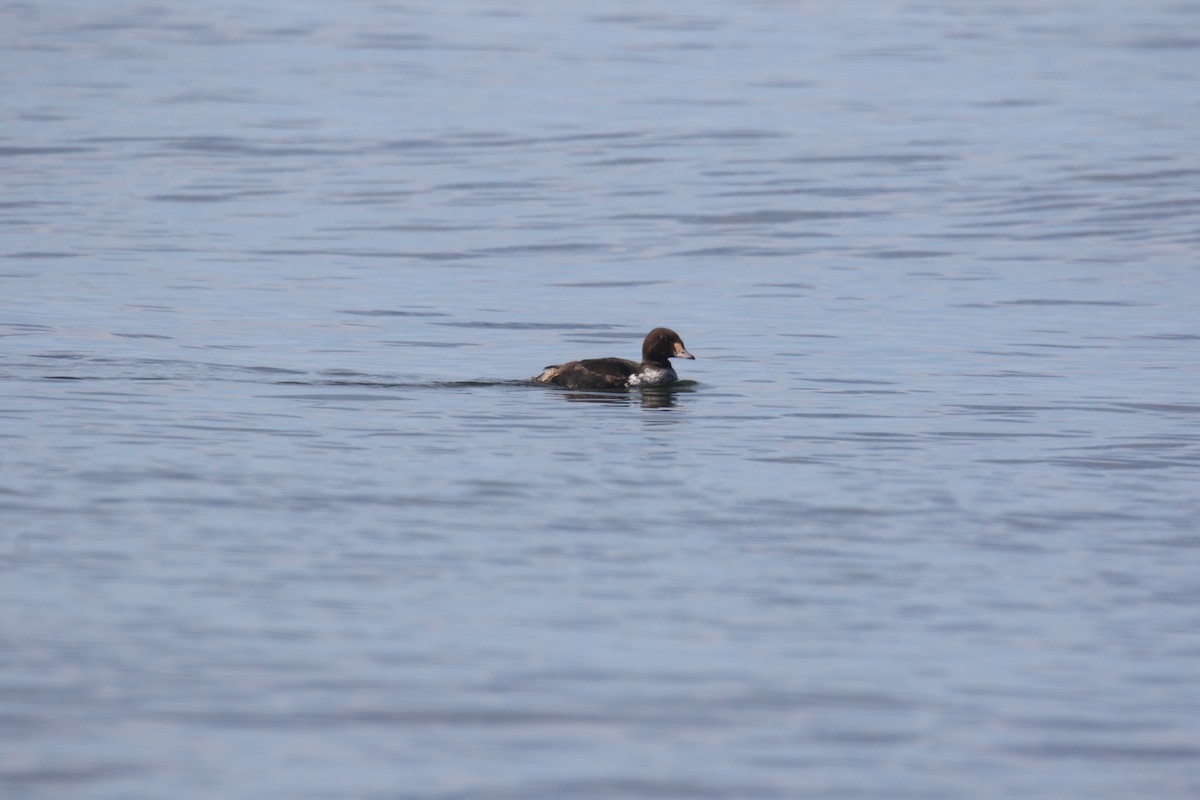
column 591, row 373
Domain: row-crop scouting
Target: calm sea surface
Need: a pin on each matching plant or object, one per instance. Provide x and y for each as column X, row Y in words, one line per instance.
column 281, row 517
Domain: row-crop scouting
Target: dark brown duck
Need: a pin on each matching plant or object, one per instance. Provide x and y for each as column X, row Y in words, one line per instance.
column 621, row 373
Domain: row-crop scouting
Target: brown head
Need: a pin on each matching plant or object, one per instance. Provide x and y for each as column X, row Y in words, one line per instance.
column 661, row 344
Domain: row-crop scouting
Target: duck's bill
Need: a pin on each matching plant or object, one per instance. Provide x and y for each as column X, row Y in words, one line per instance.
column 684, row 354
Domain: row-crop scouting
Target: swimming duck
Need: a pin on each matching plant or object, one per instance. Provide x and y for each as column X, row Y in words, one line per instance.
column 621, row 373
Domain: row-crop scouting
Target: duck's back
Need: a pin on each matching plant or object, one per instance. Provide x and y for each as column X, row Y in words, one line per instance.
column 591, row 373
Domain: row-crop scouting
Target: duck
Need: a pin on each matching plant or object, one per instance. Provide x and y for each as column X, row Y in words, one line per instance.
column 654, row 369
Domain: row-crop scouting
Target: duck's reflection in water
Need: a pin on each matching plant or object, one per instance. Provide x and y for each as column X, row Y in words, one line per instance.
column 657, row 397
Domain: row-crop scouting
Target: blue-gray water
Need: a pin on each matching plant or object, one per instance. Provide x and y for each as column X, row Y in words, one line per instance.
column 278, row 517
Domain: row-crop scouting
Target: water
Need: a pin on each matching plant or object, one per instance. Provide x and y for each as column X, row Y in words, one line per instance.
column 281, row 518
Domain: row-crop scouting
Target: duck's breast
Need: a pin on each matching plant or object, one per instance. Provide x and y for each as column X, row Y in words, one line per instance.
column 653, row 376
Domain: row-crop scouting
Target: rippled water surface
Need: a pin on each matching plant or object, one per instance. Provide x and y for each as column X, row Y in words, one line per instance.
column 280, row 515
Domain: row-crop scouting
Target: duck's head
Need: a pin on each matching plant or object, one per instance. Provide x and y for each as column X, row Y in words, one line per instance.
column 661, row 344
